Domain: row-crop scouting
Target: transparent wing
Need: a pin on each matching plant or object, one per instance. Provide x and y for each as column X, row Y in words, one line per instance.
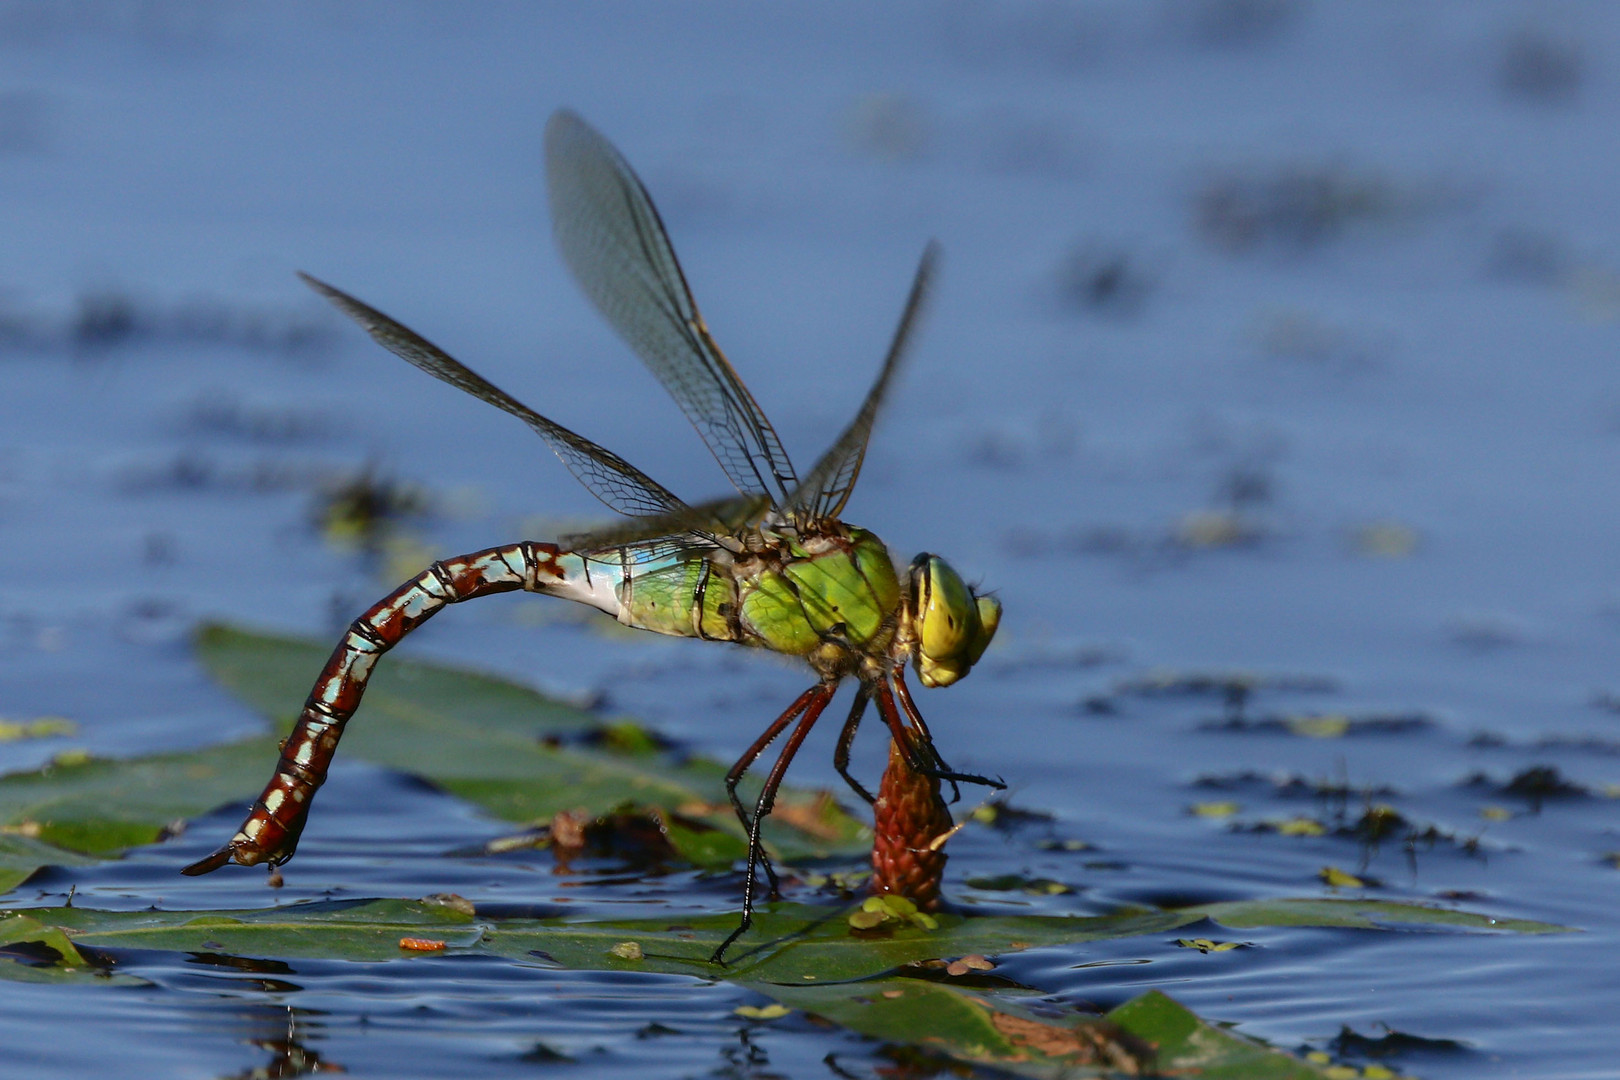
column 614, row 242
column 826, row 489
column 609, row 477
column 657, row 549
column 694, row 526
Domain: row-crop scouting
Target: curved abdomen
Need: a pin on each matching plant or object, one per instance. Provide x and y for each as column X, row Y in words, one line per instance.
column 270, row 833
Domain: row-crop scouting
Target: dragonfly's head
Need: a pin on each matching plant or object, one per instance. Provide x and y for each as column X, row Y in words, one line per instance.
column 950, row 624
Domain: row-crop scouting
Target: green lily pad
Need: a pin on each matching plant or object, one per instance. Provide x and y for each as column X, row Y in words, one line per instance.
column 790, row 943
column 802, row 956
column 520, row 755
column 21, row 856
column 1148, row 1035
column 96, row 806
column 514, row 752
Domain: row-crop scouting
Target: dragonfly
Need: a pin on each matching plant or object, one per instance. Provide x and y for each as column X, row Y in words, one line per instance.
column 772, row 567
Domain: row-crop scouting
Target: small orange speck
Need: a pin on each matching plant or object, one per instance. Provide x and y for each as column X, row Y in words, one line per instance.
column 421, row 944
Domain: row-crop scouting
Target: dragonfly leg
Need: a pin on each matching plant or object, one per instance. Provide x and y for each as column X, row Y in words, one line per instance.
column 916, row 744
column 918, row 757
column 270, row 833
column 909, row 707
column 846, row 739
column 817, row 696
column 734, row 777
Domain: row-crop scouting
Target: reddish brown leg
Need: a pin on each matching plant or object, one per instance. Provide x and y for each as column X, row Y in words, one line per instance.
column 915, row 743
column 818, row 697
column 846, row 739
column 734, row 777
column 903, row 692
column 270, row 833
column 905, row 740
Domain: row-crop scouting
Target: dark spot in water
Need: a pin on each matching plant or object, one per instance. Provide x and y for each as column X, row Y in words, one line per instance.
column 1535, row 66
column 1295, row 207
column 521, row 911
column 1391, row 1043
column 1543, row 782
column 1535, row 785
column 104, row 319
column 541, row 1054
column 1322, row 726
column 1105, row 279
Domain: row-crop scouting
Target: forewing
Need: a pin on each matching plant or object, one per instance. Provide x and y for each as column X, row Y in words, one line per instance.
column 615, row 244
column 609, row 477
column 827, row 487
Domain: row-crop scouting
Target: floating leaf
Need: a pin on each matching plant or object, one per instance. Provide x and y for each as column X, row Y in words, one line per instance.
column 875, row 911
column 789, row 941
column 1151, row 1034
column 1328, row 726
column 22, row 855
column 972, row 962
column 520, row 755
column 475, row 736
column 1340, row 879
column 1301, row 826
column 41, row 727
column 1205, row 945
column 102, row 807
column 762, row 1012
column 854, row 980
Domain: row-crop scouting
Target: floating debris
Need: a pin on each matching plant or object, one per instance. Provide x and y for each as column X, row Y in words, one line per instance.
column 1206, row 946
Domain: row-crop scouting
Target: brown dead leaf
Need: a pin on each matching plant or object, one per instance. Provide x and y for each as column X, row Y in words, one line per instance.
column 568, row 830
column 1091, row 1042
column 810, row 817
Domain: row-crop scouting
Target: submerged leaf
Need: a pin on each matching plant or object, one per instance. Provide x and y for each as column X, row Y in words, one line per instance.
column 22, row 855
column 102, row 807
column 523, row 756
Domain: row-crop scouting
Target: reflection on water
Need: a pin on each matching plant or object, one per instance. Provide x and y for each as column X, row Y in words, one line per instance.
column 289, row 1057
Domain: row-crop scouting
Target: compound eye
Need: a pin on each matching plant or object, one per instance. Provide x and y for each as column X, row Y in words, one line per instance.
column 989, row 619
column 947, row 616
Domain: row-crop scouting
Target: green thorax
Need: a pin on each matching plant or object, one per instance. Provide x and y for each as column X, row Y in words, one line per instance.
column 794, row 596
